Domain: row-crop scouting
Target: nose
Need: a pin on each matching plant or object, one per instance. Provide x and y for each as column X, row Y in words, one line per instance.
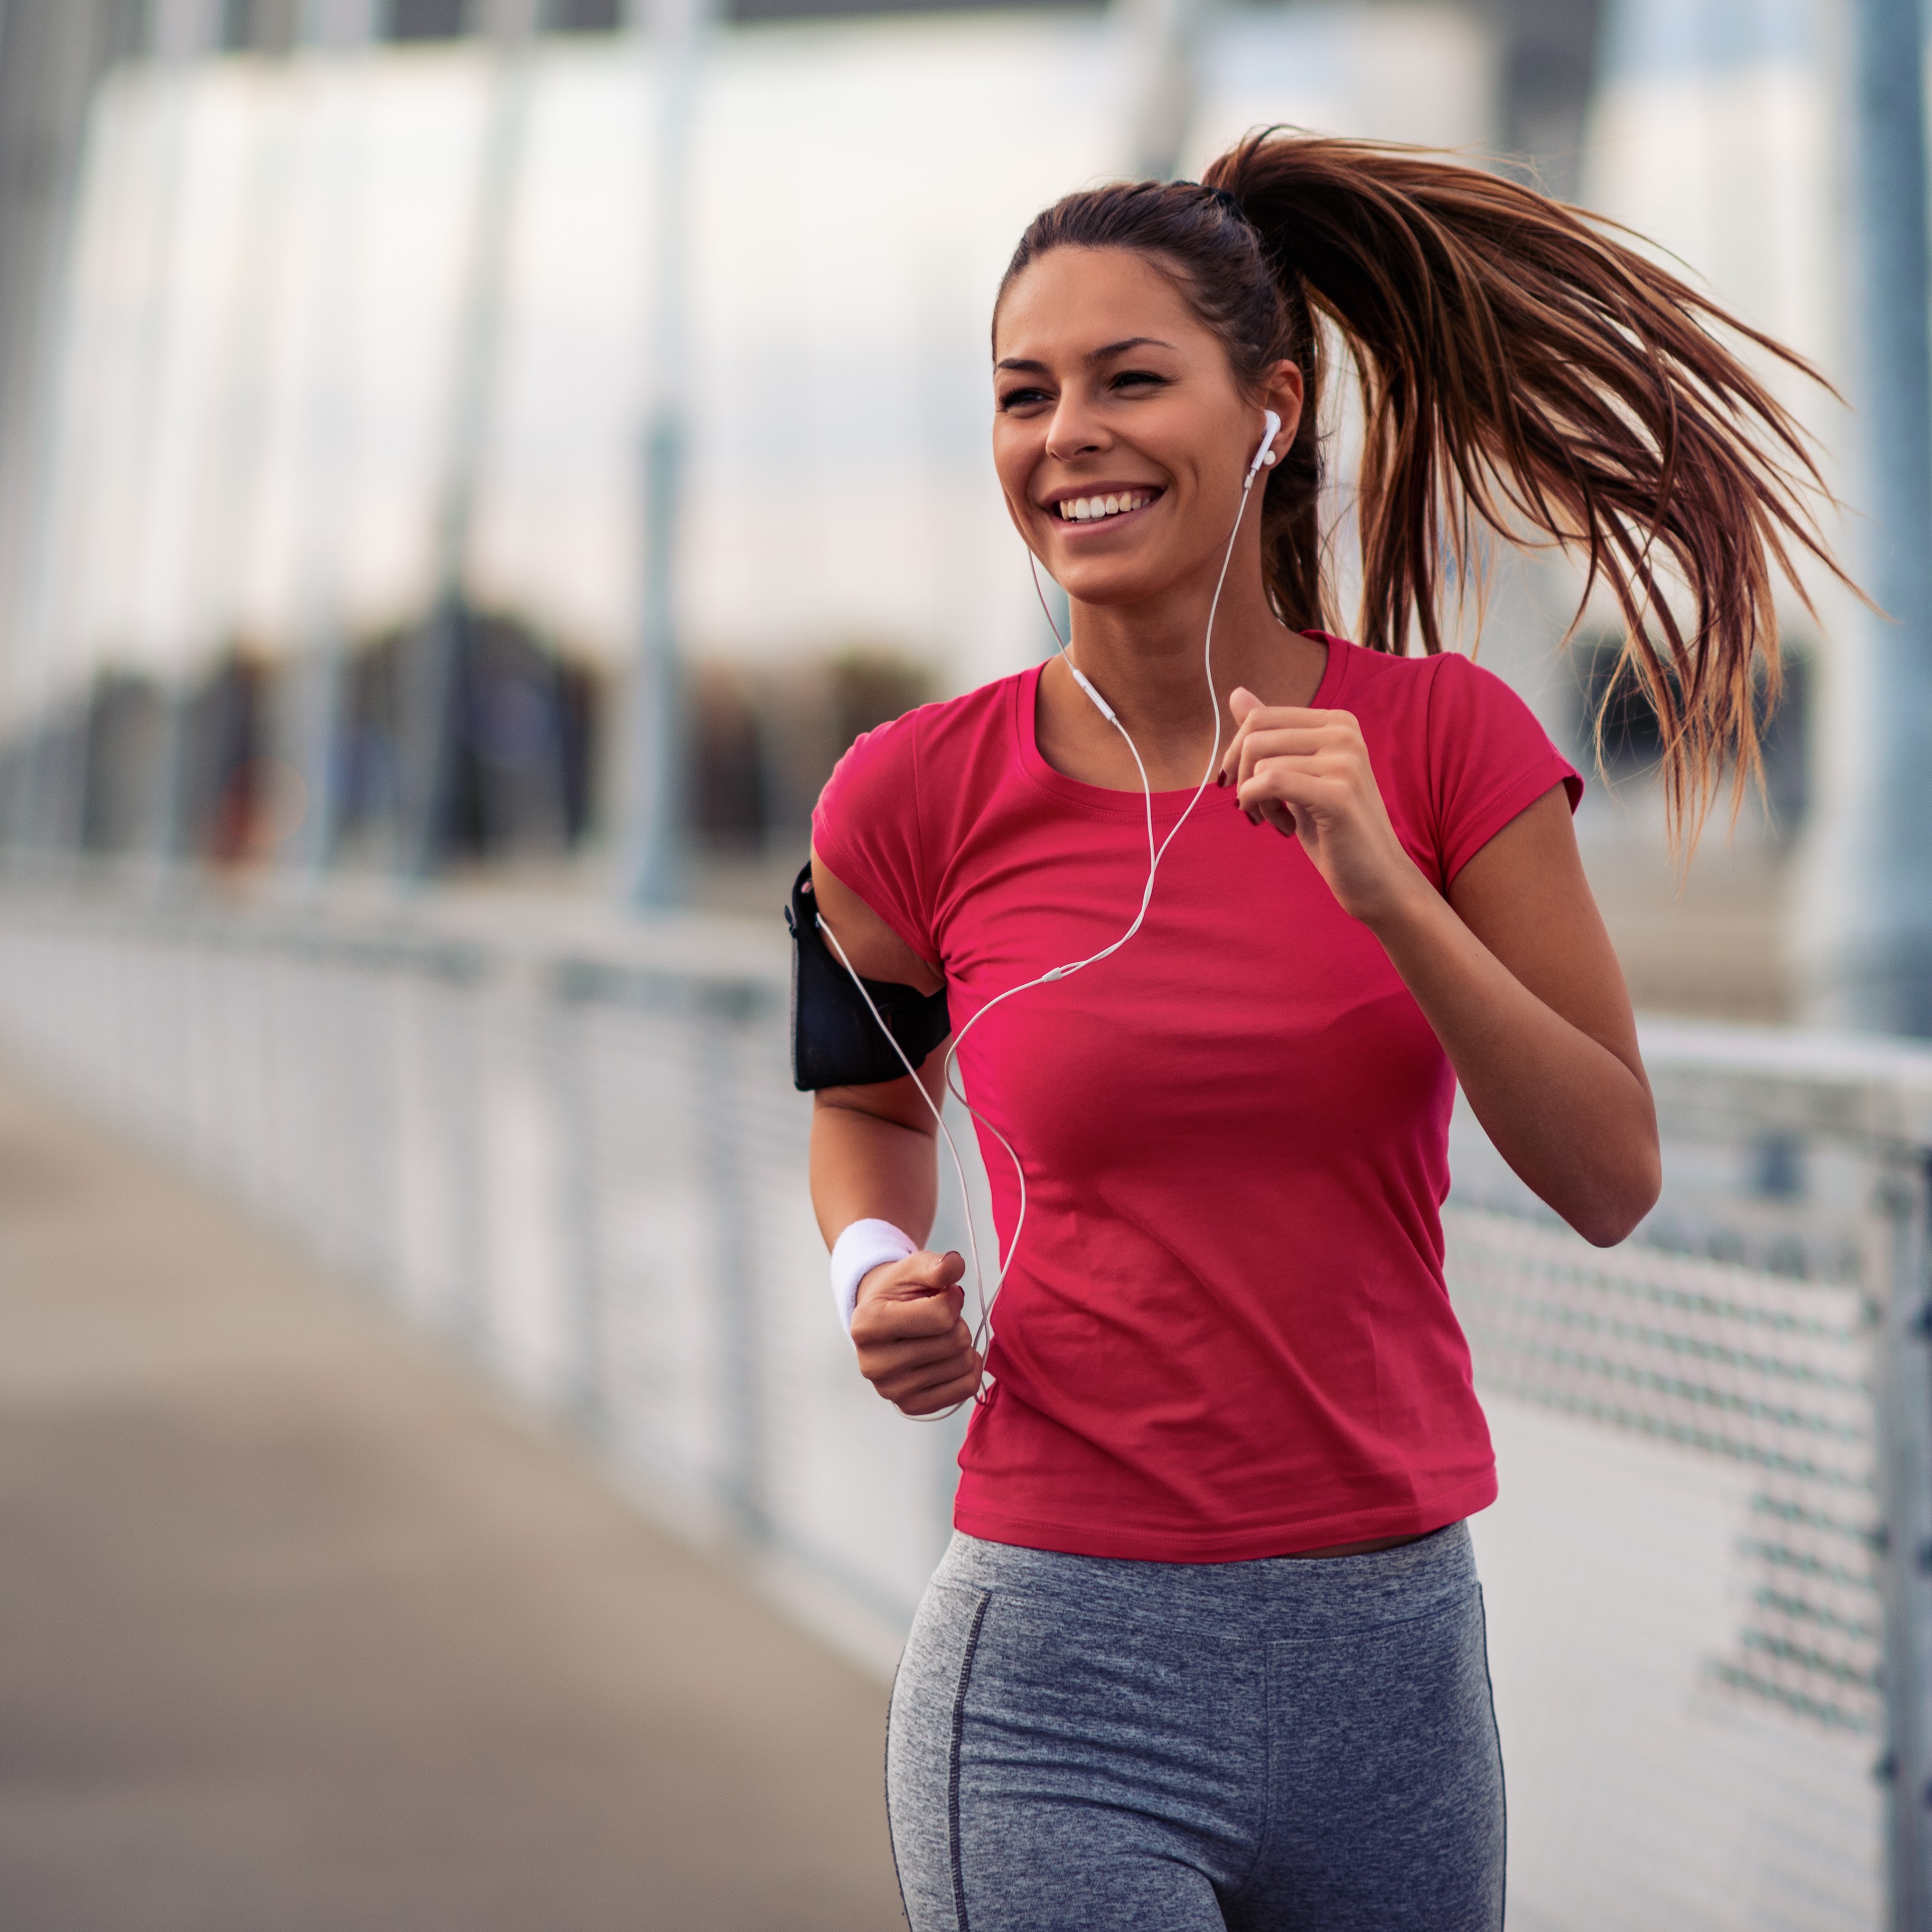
column 1073, row 430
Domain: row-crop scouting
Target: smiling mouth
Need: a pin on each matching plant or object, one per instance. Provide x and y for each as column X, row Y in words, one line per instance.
column 1098, row 509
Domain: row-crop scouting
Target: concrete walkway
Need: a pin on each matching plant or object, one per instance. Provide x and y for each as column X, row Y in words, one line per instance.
column 301, row 1631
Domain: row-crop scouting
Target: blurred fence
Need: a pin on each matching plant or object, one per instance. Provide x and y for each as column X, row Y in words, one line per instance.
column 581, row 1159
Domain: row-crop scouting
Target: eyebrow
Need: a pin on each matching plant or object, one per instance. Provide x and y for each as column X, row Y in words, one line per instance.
column 1091, row 358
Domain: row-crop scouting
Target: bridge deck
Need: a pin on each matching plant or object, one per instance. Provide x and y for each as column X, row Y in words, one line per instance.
column 300, row 1628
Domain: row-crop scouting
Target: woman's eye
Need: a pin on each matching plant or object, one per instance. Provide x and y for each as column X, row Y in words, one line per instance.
column 1017, row 399
column 1135, row 379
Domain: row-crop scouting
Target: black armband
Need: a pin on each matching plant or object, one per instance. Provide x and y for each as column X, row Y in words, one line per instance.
column 834, row 1041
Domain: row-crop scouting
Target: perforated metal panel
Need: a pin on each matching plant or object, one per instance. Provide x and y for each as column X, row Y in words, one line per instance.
column 1706, row 1431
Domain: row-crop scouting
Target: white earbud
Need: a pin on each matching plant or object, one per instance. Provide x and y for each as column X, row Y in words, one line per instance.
column 1270, row 429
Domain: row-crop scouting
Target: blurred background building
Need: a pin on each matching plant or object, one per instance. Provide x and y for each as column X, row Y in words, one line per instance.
column 327, row 359
column 467, row 469
column 334, row 336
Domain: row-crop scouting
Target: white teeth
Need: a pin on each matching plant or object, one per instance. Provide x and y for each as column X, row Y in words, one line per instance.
column 1086, row 509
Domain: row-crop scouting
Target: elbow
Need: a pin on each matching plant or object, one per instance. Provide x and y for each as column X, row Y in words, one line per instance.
column 1620, row 1200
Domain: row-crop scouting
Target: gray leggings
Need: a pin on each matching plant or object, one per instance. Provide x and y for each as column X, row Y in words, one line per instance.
column 1078, row 1743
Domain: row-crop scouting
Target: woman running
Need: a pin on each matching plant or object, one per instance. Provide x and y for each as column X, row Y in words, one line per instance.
column 1208, row 1648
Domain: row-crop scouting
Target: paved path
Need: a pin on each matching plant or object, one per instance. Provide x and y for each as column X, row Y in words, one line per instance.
column 301, row 1631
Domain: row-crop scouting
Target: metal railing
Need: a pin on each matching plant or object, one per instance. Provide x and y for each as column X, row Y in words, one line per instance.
column 1709, row 1578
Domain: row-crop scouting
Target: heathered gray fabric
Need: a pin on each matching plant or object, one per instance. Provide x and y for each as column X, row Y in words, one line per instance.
column 1082, row 1745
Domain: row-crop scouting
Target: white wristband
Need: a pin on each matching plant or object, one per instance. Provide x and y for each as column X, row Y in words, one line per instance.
column 863, row 1247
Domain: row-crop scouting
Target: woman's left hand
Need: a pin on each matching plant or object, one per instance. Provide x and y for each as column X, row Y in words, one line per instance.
column 1307, row 774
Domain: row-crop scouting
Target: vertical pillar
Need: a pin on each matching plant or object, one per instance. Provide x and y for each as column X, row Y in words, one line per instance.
column 654, row 865
column 718, row 1023
column 431, row 683
column 181, row 33
column 1862, row 939
column 653, row 851
column 52, row 52
column 338, row 25
column 1162, row 38
column 340, row 32
column 184, row 29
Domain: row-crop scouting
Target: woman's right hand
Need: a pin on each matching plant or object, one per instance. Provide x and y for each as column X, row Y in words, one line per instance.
column 914, row 1346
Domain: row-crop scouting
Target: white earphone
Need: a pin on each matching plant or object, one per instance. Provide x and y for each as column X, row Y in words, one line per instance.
column 1264, row 456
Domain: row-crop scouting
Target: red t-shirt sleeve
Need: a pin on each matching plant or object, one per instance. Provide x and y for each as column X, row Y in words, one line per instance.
column 865, row 827
column 1489, row 760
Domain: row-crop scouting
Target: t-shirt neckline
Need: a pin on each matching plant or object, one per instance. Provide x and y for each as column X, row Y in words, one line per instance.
column 1167, row 805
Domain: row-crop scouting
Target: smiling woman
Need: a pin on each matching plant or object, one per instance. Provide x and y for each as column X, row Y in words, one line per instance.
column 1224, row 1077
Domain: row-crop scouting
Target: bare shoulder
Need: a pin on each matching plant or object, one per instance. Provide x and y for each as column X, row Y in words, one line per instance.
column 876, row 952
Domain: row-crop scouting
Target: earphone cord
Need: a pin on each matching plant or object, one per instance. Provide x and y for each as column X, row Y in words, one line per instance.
column 982, row 1328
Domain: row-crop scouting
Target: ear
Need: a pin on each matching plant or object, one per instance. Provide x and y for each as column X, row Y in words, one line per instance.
column 1283, row 392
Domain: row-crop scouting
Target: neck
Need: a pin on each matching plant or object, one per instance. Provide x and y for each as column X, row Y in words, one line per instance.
column 1147, row 660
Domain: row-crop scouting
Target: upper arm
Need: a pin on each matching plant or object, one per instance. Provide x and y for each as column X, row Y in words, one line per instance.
column 877, row 953
column 1524, row 895
column 875, row 950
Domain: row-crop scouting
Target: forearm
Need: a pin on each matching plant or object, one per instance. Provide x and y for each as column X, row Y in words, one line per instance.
column 864, row 1168
column 913, row 1345
column 1576, row 1122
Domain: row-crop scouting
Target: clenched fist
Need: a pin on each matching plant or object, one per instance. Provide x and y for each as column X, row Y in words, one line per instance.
column 914, row 1346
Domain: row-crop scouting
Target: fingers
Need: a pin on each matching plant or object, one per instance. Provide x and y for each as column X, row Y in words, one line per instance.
column 1280, row 775
column 911, row 1336
column 1262, row 806
column 1282, row 789
column 1262, row 730
column 931, row 1385
column 1289, row 756
column 947, row 1395
column 917, row 1370
column 1287, row 760
column 920, row 1297
column 913, row 1343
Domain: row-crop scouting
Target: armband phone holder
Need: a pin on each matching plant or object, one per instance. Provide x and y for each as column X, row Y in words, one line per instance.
column 835, row 1040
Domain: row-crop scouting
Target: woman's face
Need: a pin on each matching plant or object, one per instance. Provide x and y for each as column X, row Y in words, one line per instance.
column 1121, row 436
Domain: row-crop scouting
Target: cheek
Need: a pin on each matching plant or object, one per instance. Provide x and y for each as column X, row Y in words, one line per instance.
column 1011, row 442
column 1014, row 458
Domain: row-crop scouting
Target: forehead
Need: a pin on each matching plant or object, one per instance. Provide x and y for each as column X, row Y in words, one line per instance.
column 1072, row 300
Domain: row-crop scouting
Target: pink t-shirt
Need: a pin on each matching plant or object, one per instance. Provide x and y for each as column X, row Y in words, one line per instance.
column 1226, row 1333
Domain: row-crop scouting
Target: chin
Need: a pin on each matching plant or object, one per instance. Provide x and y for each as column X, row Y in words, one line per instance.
column 1102, row 587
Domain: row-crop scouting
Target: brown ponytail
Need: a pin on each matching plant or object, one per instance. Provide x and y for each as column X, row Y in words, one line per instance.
column 1520, row 368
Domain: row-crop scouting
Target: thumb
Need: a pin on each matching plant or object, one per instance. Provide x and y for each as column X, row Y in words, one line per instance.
column 1241, row 700
column 928, row 1274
